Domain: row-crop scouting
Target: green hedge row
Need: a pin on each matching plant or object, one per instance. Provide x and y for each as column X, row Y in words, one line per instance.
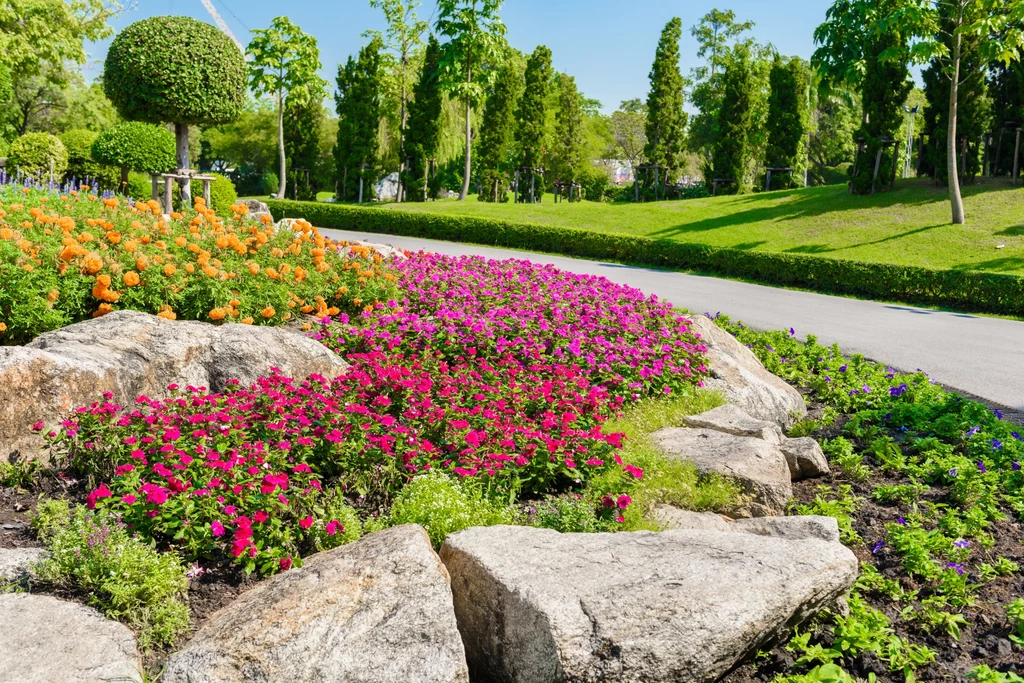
column 965, row 290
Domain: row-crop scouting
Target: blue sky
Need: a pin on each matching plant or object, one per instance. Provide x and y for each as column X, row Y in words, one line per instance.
column 608, row 45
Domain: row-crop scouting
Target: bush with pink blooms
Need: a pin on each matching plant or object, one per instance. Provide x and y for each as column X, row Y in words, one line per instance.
column 501, row 373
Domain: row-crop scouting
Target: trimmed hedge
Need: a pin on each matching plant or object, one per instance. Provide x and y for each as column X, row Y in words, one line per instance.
column 965, row 290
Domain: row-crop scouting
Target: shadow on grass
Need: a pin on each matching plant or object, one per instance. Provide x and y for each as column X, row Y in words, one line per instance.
column 1007, row 264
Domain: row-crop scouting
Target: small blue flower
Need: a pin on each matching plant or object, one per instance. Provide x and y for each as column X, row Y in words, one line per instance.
column 878, row 546
column 769, row 348
column 972, row 431
column 842, row 368
column 961, row 543
column 998, row 414
column 901, row 521
column 854, row 391
column 866, row 389
column 887, row 417
column 828, row 379
column 1015, row 466
column 1017, row 436
column 957, row 566
column 996, row 444
column 896, row 392
column 792, row 332
column 953, row 472
column 981, row 467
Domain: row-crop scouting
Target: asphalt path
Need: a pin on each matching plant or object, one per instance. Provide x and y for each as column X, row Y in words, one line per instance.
column 977, row 355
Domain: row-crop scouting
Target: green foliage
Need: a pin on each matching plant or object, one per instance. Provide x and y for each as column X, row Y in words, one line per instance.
column 423, row 131
column 493, row 160
column 136, row 146
column 303, row 124
column 531, row 117
column 176, row 70
column 140, row 187
column 123, row 577
column 840, row 505
column 81, row 165
column 349, row 528
column 983, row 673
column 730, row 150
column 787, row 118
column 1015, row 613
column 567, row 146
column 222, row 192
column 443, row 506
column 595, row 182
column 20, row 474
column 39, row 155
column 359, row 109
column 666, row 120
column 969, row 290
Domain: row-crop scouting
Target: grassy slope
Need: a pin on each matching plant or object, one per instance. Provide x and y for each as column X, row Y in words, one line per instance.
column 907, row 226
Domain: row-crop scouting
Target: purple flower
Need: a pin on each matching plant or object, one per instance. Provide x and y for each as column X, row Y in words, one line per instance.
column 769, row 348
column 901, row 521
column 866, row 389
column 957, row 566
column 972, row 431
column 842, row 368
column 792, row 332
column 854, row 391
column 896, row 392
column 996, row 444
column 961, row 543
column 953, row 472
column 1015, row 466
column 998, row 414
column 981, row 467
column 1017, row 436
column 878, row 546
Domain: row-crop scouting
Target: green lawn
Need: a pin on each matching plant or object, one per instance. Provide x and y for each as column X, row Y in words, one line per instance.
column 908, row 226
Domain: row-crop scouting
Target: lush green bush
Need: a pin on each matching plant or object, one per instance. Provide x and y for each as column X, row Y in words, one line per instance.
column 82, row 166
column 595, row 182
column 175, row 69
column 38, row 154
column 125, row 578
column 136, row 146
column 140, row 187
column 222, row 192
column 967, row 290
column 443, row 506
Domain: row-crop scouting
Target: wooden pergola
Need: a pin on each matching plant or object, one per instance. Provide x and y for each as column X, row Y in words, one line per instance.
column 168, row 180
column 521, row 173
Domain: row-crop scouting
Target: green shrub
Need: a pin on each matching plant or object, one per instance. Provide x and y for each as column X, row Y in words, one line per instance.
column 347, row 529
column 4, row 147
column 443, row 506
column 135, row 146
column 222, row 192
column 966, row 290
column 124, row 578
column 140, row 187
column 595, row 182
column 82, row 166
column 38, row 154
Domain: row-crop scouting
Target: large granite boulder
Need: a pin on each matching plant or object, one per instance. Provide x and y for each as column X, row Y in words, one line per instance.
column 746, row 383
column 804, row 457
column 758, row 466
column 537, row 606
column 16, row 564
column 793, row 527
column 46, row 640
column 128, row 353
column 376, row 610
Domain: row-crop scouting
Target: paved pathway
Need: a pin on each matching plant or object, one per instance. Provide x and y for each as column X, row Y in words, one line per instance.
column 977, row 355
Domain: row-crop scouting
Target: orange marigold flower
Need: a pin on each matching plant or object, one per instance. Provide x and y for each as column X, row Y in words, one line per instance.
column 189, row 268
column 268, row 312
column 218, row 314
column 234, row 302
column 53, row 296
column 175, row 215
column 3, row 327
column 180, row 240
column 254, row 268
column 131, row 278
column 103, row 280
column 102, row 310
column 209, row 271
column 170, row 269
column 246, row 321
column 130, row 246
column 141, row 263
column 167, row 313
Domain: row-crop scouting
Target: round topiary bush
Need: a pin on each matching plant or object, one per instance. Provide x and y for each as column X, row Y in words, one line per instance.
column 38, row 154
column 136, row 146
column 175, row 70
column 81, row 165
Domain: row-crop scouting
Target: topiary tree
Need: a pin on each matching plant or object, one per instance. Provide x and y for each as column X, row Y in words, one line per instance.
column 39, row 155
column 423, row 134
column 496, row 132
column 175, row 70
column 531, row 118
column 666, row 120
column 135, row 146
column 81, row 165
column 787, row 118
column 732, row 129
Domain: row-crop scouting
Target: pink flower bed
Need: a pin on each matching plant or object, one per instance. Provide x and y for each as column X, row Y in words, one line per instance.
column 500, row 371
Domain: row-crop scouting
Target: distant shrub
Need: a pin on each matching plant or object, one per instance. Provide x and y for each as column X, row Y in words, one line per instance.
column 125, row 578
column 442, row 506
column 38, row 154
column 136, row 146
column 594, row 181
column 222, row 192
column 82, row 166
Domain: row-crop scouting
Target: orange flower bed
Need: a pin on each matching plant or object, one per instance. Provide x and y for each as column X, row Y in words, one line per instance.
column 65, row 258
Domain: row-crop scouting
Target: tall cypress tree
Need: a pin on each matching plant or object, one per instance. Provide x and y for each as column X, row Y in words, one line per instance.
column 302, row 145
column 787, row 119
column 359, row 110
column 423, row 128
column 666, row 120
column 567, row 149
column 729, row 151
column 531, row 118
column 496, row 132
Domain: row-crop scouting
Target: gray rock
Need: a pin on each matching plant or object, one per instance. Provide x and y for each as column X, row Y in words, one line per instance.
column 746, row 383
column 805, row 458
column 731, row 419
column 536, row 606
column 379, row 609
column 46, row 640
column 16, row 563
column 127, row 354
column 256, row 207
column 757, row 465
column 792, row 527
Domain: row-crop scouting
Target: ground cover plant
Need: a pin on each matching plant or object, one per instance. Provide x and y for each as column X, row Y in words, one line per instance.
column 496, row 374
column 928, row 491
column 69, row 255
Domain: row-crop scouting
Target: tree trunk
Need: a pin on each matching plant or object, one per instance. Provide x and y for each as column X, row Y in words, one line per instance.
column 401, row 132
column 181, row 134
column 280, row 145
column 956, row 202
column 124, row 179
column 469, row 132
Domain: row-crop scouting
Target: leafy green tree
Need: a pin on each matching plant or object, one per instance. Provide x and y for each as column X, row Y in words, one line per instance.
column 567, row 160
column 423, row 135
column 286, row 65
column 831, row 147
column 666, row 120
column 402, row 38
column 787, row 117
column 86, row 107
column 475, row 41
column 531, row 117
column 730, row 149
column 247, row 144
column 629, row 128
column 303, row 124
column 715, row 33
column 858, row 50
column 38, row 154
column 135, row 146
column 175, row 70
column 81, row 165
column 358, row 99
column 496, row 131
